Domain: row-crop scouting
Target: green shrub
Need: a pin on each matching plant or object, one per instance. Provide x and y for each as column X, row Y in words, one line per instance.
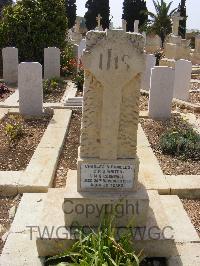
column 100, row 248
column 14, row 129
column 181, row 142
column 49, row 85
column 78, row 79
column 32, row 26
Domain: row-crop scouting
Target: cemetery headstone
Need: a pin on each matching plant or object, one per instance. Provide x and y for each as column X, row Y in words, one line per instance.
column 183, row 71
column 113, row 62
column 51, row 62
column 175, row 47
column 81, row 48
column 136, row 25
column 196, row 54
column 146, row 77
column 176, row 18
column 108, row 163
column 30, row 89
column 153, row 43
column 10, row 64
column 98, row 19
column 124, row 24
column 197, row 43
column 77, row 25
column 161, row 92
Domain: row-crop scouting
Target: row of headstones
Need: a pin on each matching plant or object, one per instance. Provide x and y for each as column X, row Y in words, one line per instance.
column 164, row 84
column 183, row 71
column 11, row 62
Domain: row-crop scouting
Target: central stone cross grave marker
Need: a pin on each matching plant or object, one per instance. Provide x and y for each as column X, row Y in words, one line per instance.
column 113, row 64
column 108, row 164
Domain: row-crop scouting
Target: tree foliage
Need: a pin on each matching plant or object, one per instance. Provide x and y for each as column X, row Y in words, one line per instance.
column 96, row 7
column 33, row 25
column 71, row 12
column 4, row 3
column 134, row 10
column 161, row 20
column 182, row 23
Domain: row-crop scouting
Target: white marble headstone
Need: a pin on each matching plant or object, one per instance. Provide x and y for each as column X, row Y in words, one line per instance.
column 10, row 64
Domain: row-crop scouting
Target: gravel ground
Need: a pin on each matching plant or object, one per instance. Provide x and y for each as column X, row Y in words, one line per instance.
column 195, row 86
column 6, row 203
column 170, row 165
column 192, row 208
column 56, row 95
column 195, row 97
column 68, row 158
column 16, row 157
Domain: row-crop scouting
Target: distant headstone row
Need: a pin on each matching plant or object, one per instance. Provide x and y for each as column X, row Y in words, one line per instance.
column 166, row 84
column 11, row 61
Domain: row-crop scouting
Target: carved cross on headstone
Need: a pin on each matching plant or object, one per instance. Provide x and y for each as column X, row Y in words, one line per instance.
column 176, row 18
column 99, row 18
column 136, row 25
column 124, row 24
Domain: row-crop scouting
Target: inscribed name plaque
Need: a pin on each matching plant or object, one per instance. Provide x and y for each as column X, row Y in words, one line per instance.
column 107, row 176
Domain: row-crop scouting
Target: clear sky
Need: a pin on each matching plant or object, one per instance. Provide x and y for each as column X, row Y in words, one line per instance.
column 193, row 11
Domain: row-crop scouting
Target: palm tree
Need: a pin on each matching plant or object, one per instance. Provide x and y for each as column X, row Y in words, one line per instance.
column 160, row 21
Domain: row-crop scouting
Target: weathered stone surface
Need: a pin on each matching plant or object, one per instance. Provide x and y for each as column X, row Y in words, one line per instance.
column 183, row 71
column 153, row 43
column 117, row 72
column 30, row 89
column 10, row 64
column 161, row 92
column 51, row 62
column 113, row 62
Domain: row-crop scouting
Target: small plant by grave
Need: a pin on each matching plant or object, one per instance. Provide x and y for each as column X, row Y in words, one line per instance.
column 3, row 89
column 51, row 85
column 14, row 130
column 78, row 80
column 100, row 248
column 68, row 62
column 181, row 142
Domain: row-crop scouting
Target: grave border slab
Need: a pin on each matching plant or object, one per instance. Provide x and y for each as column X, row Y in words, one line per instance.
column 37, row 178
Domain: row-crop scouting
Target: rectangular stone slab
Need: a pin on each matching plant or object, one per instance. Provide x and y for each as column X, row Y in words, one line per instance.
column 87, row 208
column 62, row 237
column 107, row 175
